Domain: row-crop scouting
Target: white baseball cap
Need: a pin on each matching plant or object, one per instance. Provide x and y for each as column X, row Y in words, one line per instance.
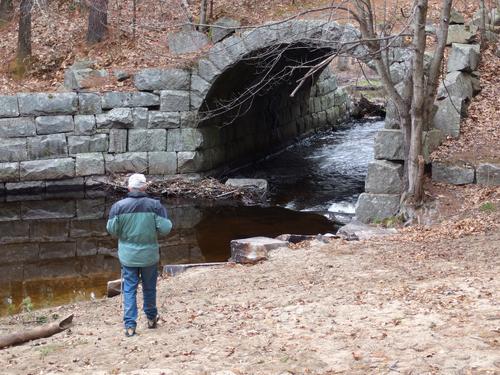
column 137, row 181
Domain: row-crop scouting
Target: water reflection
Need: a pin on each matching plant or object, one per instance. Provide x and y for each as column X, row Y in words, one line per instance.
column 57, row 250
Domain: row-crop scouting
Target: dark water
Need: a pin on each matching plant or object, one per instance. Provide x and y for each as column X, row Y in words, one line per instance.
column 55, row 249
column 324, row 172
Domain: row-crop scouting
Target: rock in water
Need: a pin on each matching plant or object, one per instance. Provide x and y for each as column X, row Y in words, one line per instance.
column 253, row 250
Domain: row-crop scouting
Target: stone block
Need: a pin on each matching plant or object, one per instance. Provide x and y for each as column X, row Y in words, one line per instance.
column 118, row 140
column 174, row 101
column 199, row 89
column 9, row 172
column 248, row 183
column 39, row 104
column 184, row 217
column 19, row 252
column 95, row 186
column 162, row 163
column 13, row 149
column 384, row 177
column 52, row 270
column 89, row 164
column 87, row 209
column 356, row 230
column 431, row 141
column 11, row 272
column 456, row 18
column 10, row 211
column 389, row 144
column 448, row 116
column 47, row 146
column 129, row 99
column 463, row 57
column 48, row 209
column 78, row 144
column 222, row 28
column 164, row 120
column 90, row 103
column 371, row 207
column 141, row 117
column 14, row 232
column 455, row 174
column 88, row 228
column 459, row 34
column 131, row 162
column 69, row 186
column 189, row 162
column 54, row 124
column 57, row 250
column 488, row 174
column 92, row 246
column 82, row 75
column 116, row 118
column 188, row 41
column 17, row 127
column 220, row 57
column 234, row 47
column 189, row 119
column 9, row 106
column 255, row 249
column 147, row 140
column 184, row 139
column 84, row 124
column 25, row 188
column 51, row 169
column 151, row 79
column 44, row 230
column 207, row 70
column 391, row 116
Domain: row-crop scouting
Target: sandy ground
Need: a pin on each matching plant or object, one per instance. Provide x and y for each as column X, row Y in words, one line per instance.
column 385, row 306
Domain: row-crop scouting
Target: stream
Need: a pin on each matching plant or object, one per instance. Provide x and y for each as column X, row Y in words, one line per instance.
column 55, row 249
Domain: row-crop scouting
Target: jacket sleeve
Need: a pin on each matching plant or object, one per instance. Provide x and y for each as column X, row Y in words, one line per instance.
column 113, row 224
column 163, row 224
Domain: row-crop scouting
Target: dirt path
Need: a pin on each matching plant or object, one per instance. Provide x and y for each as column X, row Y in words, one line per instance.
column 380, row 307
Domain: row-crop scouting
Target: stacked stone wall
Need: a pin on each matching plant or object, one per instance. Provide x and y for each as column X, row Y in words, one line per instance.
column 383, row 185
column 72, row 136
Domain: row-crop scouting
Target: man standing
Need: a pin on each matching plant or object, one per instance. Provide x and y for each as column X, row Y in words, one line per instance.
column 137, row 221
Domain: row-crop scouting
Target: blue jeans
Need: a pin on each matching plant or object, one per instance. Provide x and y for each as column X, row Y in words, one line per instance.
column 148, row 276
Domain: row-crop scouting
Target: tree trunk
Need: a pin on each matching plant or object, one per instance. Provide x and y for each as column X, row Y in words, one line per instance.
column 482, row 23
column 6, row 9
column 189, row 15
column 203, row 15
column 24, row 34
column 98, row 21
column 418, row 99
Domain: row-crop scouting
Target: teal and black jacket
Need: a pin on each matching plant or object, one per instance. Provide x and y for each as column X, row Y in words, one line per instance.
column 137, row 221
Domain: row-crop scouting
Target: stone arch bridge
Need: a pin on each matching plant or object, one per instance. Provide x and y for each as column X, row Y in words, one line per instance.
column 233, row 105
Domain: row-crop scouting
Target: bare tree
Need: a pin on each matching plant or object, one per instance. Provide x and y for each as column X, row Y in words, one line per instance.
column 98, row 21
column 24, row 33
column 6, row 9
column 414, row 102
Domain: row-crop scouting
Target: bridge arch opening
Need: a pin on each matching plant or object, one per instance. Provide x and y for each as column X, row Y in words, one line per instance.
column 249, row 112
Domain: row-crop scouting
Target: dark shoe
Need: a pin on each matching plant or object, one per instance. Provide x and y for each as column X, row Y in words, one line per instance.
column 130, row 331
column 153, row 323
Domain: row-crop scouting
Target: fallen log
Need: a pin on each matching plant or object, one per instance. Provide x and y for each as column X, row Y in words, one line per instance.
column 35, row 333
